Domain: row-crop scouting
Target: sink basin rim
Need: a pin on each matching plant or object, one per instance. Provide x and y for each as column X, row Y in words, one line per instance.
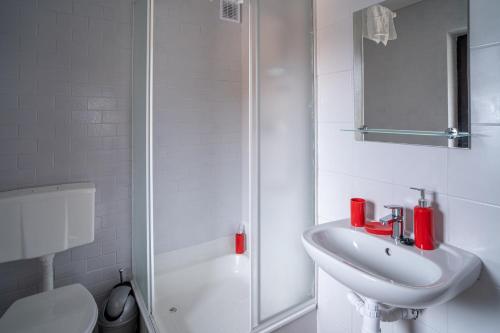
column 391, row 244
column 447, row 286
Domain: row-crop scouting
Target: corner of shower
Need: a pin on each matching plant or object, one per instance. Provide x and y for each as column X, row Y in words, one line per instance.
column 141, row 175
column 223, row 135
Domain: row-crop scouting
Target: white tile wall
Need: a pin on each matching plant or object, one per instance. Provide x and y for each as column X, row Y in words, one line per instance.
column 484, row 218
column 334, row 310
column 485, row 85
column 198, row 114
column 335, row 97
column 334, row 42
column 338, row 158
column 484, row 17
column 64, row 117
column 467, row 200
column 477, row 185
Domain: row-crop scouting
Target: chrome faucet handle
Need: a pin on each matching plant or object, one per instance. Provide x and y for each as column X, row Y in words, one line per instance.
column 398, row 224
column 396, row 210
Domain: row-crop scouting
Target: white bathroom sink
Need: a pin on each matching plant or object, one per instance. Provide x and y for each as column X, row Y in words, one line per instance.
column 379, row 268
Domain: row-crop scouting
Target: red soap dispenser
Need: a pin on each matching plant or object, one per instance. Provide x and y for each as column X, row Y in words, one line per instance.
column 239, row 240
column 423, row 224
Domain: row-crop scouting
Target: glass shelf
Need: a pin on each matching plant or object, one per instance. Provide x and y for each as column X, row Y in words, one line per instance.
column 450, row 133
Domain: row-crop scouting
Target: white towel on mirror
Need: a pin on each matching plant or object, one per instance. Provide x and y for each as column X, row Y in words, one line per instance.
column 378, row 24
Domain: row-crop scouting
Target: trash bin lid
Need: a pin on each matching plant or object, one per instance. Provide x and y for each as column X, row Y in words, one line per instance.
column 129, row 314
column 69, row 309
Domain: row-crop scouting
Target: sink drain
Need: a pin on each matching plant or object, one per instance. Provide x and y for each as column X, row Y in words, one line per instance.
column 388, row 251
column 173, row 309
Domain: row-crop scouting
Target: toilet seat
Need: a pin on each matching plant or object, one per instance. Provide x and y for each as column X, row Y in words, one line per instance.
column 69, row 309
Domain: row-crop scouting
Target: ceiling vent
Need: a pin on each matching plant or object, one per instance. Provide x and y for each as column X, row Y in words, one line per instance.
column 230, row 10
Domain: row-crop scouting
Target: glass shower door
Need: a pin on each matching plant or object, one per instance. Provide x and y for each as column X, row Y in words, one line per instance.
column 284, row 152
column 141, row 154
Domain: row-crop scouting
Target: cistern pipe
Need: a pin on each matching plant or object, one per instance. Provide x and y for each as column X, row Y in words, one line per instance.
column 47, row 272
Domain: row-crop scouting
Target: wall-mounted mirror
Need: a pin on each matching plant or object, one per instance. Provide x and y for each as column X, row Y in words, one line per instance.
column 411, row 72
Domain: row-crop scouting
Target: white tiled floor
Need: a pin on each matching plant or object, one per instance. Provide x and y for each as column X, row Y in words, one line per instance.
column 211, row 296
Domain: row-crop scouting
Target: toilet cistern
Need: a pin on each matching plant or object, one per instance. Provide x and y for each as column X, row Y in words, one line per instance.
column 41, row 221
column 37, row 223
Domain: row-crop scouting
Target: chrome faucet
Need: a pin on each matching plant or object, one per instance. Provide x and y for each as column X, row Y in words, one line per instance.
column 397, row 220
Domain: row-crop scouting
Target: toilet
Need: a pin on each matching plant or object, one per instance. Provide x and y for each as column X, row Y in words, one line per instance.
column 69, row 309
column 37, row 223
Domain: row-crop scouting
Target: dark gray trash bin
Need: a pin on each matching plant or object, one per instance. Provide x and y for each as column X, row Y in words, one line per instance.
column 119, row 312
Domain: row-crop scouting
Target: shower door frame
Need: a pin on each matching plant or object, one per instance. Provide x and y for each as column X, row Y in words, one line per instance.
column 289, row 315
column 146, row 302
column 142, row 161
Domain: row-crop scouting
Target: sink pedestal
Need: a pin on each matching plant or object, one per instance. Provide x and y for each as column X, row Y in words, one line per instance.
column 371, row 320
column 374, row 312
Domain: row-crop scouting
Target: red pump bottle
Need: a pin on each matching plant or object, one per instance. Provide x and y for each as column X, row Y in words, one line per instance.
column 239, row 241
column 423, row 223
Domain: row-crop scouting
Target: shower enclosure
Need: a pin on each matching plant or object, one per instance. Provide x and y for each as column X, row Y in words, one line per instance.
column 223, row 138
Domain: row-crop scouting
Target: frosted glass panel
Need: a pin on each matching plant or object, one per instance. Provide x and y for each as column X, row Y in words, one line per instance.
column 286, row 161
column 140, row 143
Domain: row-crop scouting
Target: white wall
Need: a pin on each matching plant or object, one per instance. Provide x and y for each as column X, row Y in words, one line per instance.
column 197, row 124
column 65, row 117
column 466, row 182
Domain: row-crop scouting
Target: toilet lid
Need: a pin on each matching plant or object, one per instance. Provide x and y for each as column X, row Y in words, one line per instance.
column 70, row 309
